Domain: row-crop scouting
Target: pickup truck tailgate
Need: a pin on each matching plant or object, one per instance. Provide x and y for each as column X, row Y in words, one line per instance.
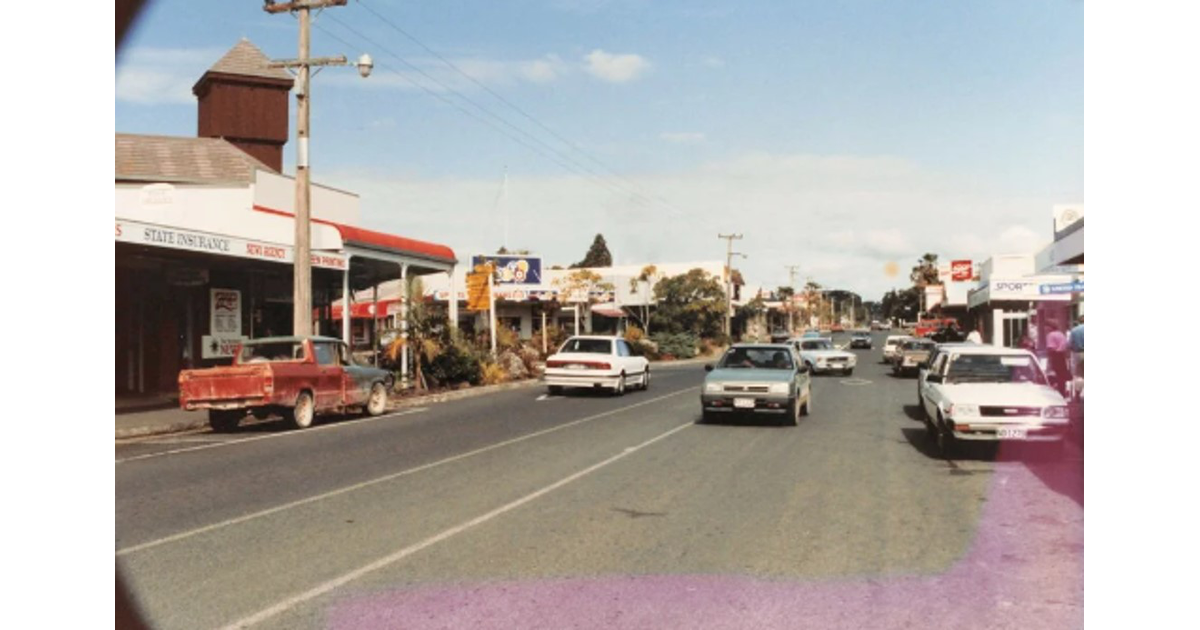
column 228, row 384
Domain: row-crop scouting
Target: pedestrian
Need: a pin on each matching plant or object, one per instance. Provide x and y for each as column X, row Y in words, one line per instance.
column 1057, row 352
column 974, row 336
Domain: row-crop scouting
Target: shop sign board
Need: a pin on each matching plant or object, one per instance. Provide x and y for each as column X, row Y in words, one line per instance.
column 219, row 347
column 513, row 269
column 478, row 291
column 225, row 308
column 140, row 233
column 1063, row 287
column 960, row 270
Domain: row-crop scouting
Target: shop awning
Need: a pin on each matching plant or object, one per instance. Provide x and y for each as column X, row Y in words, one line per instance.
column 607, row 310
column 381, row 242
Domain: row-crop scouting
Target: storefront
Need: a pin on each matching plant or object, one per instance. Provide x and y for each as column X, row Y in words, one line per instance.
column 201, row 266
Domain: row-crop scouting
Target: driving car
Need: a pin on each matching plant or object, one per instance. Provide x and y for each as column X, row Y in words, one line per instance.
column 596, row 362
column 811, row 334
column 822, row 357
column 860, row 340
column 911, row 355
column 757, row 379
column 891, row 345
column 991, row 394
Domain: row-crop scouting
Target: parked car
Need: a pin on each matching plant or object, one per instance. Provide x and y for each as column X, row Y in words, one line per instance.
column 890, row 345
column 911, row 355
column 861, row 340
column 596, row 362
column 296, row 377
column 938, row 350
column 780, row 336
column 822, row 357
column 757, row 379
column 837, row 328
column 989, row 393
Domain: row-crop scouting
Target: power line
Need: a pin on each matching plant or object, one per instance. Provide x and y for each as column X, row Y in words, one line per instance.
column 500, row 98
column 591, row 174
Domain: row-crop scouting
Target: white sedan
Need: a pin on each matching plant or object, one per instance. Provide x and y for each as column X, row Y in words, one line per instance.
column 596, row 362
column 990, row 393
column 822, row 357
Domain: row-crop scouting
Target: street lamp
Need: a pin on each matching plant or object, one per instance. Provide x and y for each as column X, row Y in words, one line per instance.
column 302, row 265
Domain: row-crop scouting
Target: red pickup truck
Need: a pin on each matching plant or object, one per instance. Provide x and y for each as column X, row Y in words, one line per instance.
column 296, row 377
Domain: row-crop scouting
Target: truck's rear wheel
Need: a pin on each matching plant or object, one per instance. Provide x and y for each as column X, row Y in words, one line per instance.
column 225, row 420
column 377, row 403
column 301, row 416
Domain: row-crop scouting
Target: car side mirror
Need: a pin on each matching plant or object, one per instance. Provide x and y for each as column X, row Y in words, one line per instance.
column 708, row 367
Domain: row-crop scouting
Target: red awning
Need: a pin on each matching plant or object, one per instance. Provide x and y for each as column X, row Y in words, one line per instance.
column 362, row 310
column 378, row 241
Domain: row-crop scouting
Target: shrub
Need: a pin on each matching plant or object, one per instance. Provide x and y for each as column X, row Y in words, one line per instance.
column 634, row 334
column 678, row 345
column 493, row 373
column 458, row 362
column 507, row 339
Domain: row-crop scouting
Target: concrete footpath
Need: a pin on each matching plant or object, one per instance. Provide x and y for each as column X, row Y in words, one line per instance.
column 161, row 419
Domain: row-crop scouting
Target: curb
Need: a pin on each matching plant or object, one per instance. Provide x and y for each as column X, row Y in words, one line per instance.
column 459, row 394
column 178, row 427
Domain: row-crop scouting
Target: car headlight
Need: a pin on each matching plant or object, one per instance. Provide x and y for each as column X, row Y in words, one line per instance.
column 959, row 411
column 1058, row 412
column 713, row 388
column 778, row 388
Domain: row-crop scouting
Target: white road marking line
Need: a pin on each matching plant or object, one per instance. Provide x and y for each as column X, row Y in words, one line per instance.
column 231, row 442
column 365, row 484
column 330, row 585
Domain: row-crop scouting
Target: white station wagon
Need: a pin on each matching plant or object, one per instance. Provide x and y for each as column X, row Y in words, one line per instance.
column 989, row 393
column 596, row 362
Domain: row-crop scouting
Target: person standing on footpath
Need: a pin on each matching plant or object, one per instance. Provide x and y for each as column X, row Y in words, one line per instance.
column 1057, row 350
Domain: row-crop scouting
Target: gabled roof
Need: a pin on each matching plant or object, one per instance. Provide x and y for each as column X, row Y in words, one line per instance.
column 247, row 60
column 178, row 159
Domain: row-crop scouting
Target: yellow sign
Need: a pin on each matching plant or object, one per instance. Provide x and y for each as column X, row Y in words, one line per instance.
column 478, row 296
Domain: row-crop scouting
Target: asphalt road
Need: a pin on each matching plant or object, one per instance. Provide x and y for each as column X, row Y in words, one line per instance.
column 518, row 509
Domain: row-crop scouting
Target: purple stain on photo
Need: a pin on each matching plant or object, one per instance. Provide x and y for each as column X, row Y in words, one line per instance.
column 1024, row 570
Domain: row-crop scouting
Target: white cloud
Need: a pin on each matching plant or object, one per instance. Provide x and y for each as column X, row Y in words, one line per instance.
column 840, row 218
column 151, row 76
column 615, row 68
column 683, row 137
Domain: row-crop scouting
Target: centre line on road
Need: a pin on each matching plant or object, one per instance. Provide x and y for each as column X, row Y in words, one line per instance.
column 330, row 585
column 271, row 435
column 365, row 484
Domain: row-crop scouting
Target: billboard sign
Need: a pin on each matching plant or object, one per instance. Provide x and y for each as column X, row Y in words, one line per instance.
column 513, row 269
column 960, row 271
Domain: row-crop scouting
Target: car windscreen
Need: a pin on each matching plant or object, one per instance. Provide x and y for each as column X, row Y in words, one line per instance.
column 273, row 351
column 994, row 368
column 589, row 346
column 761, row 358
column 816, row 345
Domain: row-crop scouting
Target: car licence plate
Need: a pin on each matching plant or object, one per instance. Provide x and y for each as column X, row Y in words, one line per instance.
column 1010, row 434
column 743, row 403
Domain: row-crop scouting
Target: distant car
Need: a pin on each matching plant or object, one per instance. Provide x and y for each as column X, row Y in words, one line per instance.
column 780, row 336
column 911, row 355
column 890, row 346
column 836, row 328
column 860, row 340
column 757, row 379
column 811, row 334
column 596, row 362
column 990, row 393
column 822, row 357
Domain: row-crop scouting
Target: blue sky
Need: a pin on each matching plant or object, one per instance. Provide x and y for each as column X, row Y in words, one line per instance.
column 835, row 135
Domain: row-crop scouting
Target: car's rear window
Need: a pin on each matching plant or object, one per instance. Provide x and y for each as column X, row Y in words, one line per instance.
column 592, row 346
column 274, row 351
